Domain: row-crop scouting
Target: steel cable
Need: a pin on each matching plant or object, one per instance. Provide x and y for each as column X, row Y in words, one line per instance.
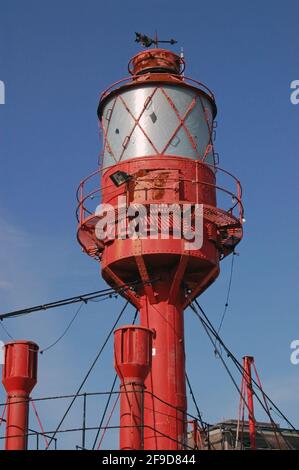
column 89, row 371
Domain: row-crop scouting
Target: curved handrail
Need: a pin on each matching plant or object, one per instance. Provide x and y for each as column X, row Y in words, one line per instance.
column 81, row 208
column 138, row 78
column 114, row 85
column 201, row 85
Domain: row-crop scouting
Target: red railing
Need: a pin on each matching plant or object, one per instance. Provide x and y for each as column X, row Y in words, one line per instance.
column 83, row 211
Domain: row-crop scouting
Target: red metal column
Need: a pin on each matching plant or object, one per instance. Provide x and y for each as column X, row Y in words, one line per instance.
column 165, row 397
column 19, row 378
column 132, row 361
column 247, row 361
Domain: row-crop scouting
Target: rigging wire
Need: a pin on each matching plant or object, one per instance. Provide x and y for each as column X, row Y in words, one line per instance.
column 5, row 329
column 266, row 404
column 57, row 303
column 228, row 292
column 58, row 397
column 76, row 299
column 65, row 330
column 110, row 292
column 62, row 431
column 108, row 421
column 2, row 419
column 105, row 411
column 39, row 422
column 194, row 401
column 211, row 330
column 109, row 296
column 89, row 371
column 84, row 302
column 242, row 370
column 208, row 331
column 203, row 425
column 38, row 399
column 31, row 432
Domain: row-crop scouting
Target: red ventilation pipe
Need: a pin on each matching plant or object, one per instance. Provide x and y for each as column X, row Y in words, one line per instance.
column 132, row 362
column 19, row 377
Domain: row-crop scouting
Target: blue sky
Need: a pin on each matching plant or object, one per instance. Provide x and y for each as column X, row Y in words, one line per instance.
column 55, row 59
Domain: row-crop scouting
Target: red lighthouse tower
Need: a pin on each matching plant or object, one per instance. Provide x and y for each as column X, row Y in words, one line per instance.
column 158, row 154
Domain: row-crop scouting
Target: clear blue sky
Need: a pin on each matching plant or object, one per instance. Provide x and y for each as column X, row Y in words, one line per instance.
column 55, row 59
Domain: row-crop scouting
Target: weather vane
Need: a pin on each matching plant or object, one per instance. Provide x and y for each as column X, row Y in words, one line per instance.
column 147, row 41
